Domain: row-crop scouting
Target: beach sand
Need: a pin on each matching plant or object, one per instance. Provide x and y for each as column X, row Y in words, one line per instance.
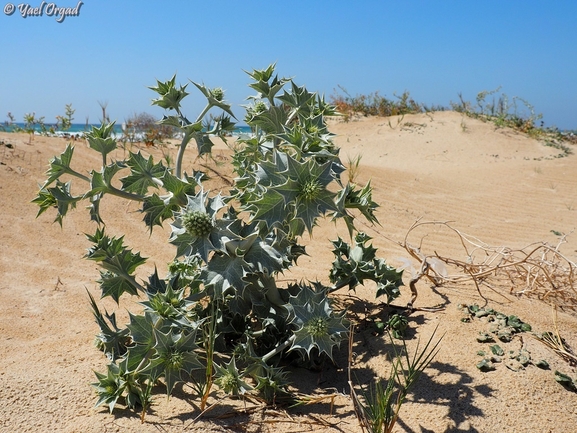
column 496, row 185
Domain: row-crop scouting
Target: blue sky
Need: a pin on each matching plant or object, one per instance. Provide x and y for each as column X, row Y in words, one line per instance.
column 435, row 50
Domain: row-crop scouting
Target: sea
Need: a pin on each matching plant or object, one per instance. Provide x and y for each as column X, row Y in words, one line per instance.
column 78, row 129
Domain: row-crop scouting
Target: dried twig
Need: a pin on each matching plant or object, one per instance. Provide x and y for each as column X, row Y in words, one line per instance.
column 538, row 270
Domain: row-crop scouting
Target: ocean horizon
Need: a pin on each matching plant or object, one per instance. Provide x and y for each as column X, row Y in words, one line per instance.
column 82, row 128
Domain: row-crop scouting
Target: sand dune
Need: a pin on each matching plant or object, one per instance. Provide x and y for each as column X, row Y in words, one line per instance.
column 497, row 185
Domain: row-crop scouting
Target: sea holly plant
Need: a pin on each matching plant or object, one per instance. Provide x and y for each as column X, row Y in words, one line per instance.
column 218, row 317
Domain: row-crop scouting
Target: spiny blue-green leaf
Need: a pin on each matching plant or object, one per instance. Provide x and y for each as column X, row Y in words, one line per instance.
column 175, row 353
column 324, row 108
column 262, row 74
column 119, row 261
column 296, row 226
column 222, row 124
column 110, row 386
column 318, row 324
column 270, row 173
column 170, row 96
column 259, row 255
column 172, row 306
column 262, row 85
column 45, row 200
column 216, row 203
column 162, row 87
column 264, row 258
column 138, row 358
column 203, row 143
column 187, row 244
column 101, row 140
column 289, row 191
column 101, row 182
column 180, row 188
column 155, row 284
column 190, row 129
column 115, row 286
column 156, row 211
column 309, row 210
column 229, row 379
column 356, row 264
column 390, row 280
column 173, row 121
column 94, row 209
column 104, row 132
column 271, row 382
column 271, row 121
column 305, row 190
column 123, row 264
column 171, row 99
column 309, row 169
column 63, row 196
column 112, row 340
column 257, row 175
column 104, row 245
column 143, row 174
column 350, row 197
column 59, row 165
column 58, row 196
column 300, row 100
column 182, row 123
column 223, row 272
column 270, row 208
column 141, row 327
column 310, row 137
column 238, row 246
column 141, row 332
column 113, row 252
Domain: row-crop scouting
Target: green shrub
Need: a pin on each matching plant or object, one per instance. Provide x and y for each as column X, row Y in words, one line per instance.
column 374, row 104
column 219, row 317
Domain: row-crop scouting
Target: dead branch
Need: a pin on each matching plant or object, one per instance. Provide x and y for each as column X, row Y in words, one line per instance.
column 538, row 270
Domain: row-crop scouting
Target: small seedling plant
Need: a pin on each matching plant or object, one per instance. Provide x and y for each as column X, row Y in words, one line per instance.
column 217, row 316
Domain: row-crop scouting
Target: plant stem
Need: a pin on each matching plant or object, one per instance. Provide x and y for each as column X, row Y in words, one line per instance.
column 186, row 139
column 279, row 348
column 123, row 194
column 273, row 296
column 209, row 342
column 78, row 175
column 201, row 115
column 180, row 154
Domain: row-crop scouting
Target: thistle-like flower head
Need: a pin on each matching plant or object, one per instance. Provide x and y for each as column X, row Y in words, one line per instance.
column 194, row 229
column 318, row 325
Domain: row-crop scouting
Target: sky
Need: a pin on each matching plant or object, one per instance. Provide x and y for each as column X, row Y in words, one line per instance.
column 112, row 51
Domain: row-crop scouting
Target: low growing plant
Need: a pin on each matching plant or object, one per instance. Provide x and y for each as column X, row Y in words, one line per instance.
column 31, row 122
column 378, row 409
column 219, row 316
column 63, row 123
column 515, row 113
column 374, row 104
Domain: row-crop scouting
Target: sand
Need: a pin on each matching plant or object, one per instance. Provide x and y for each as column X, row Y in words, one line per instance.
column 497, row 185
